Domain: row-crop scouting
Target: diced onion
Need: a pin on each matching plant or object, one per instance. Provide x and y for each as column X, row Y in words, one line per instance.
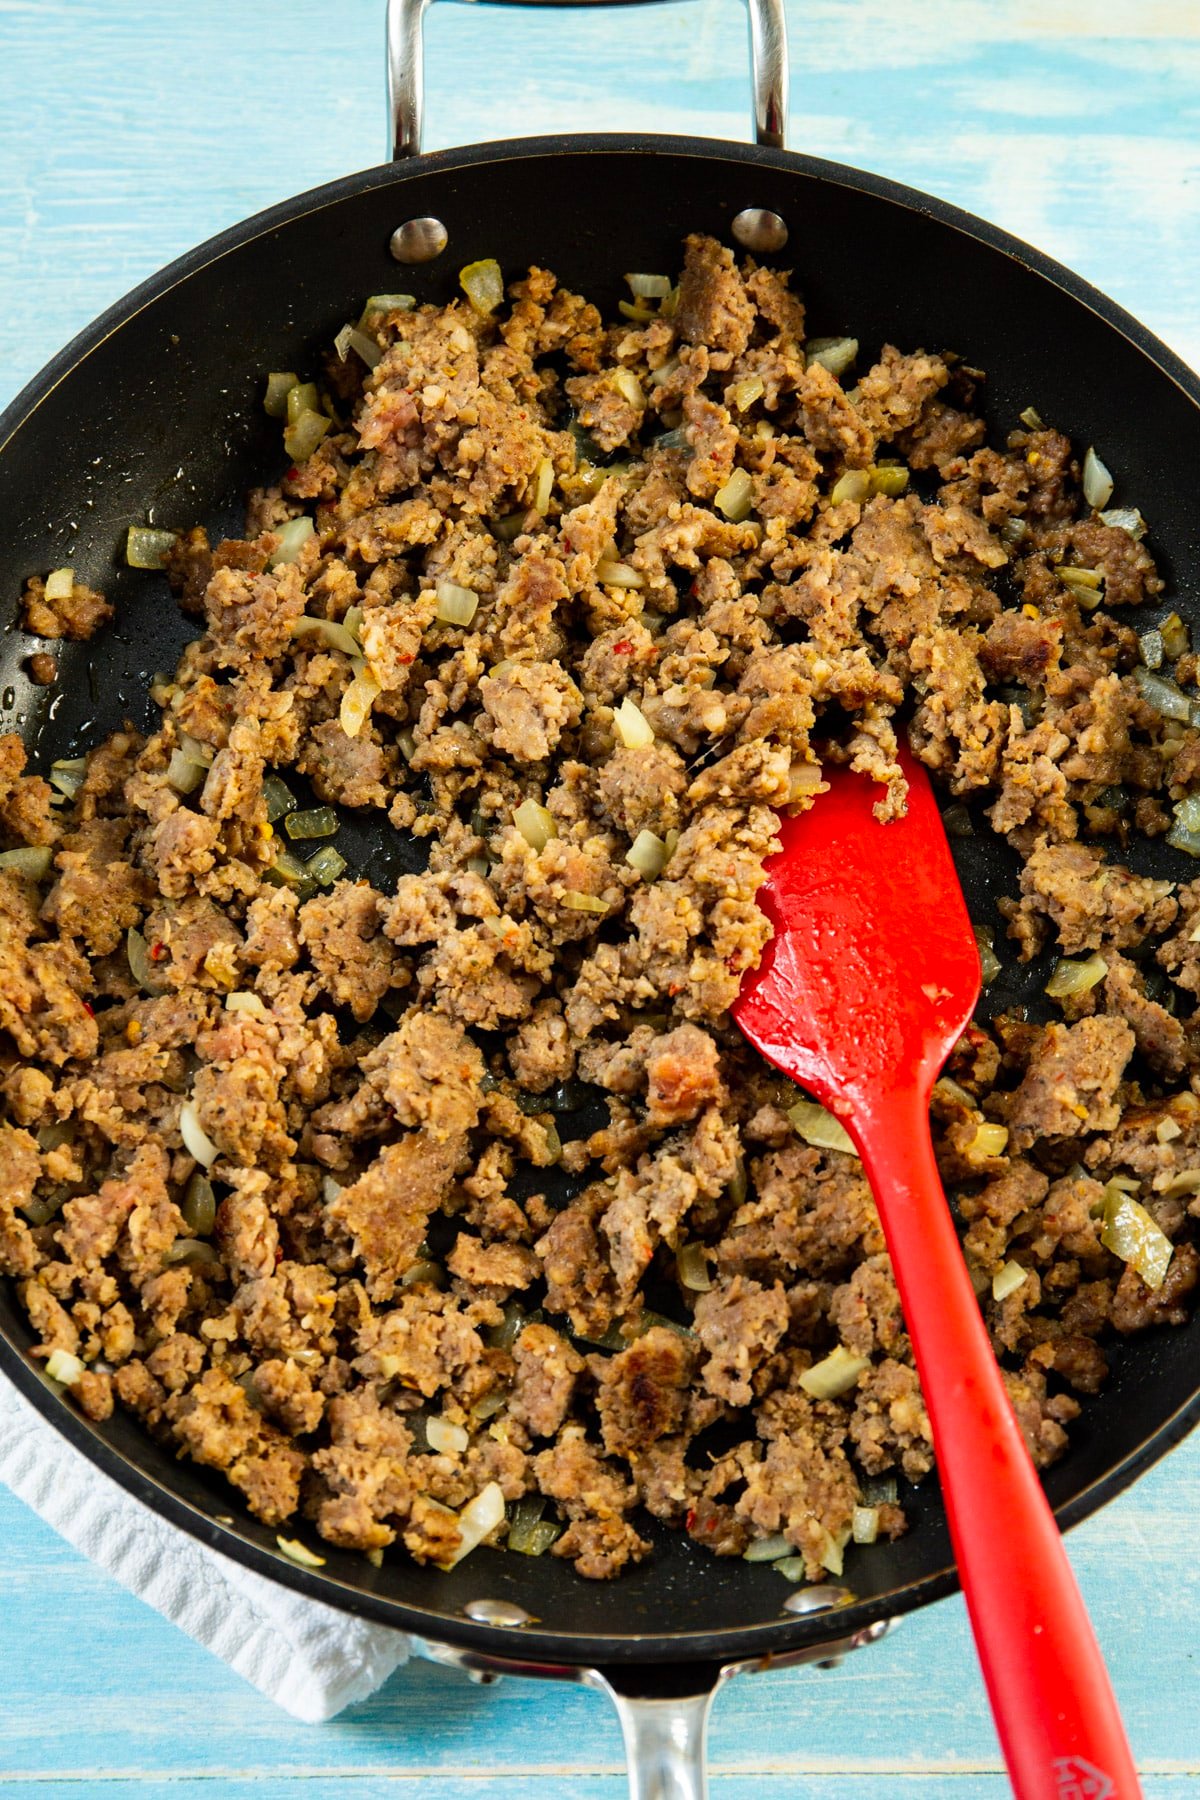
column 835, row 1374
column 989, row 1140
column 32, row 861
column 1152, row 648
column 445, row 1438
column 535, row 824
column 889, row 479
column 989, row 962
column 199, row 1206
column 62, row 1366
column 196, row 1140
column 662, row 373
column 60, row 584
column 1097, row 482
column 1073, row 574
column 279, row 386
column 543, row 485
column 243, row 1001
column 1031, row 418
column 632, row 309
column 1163, row 695
column 279, row 798
column 1126, row 518
column 317, row 822
column 364, row 347
column 864, row 1524
column 691, row 1260
column 455, row 605
column 477, row 1520
column 734, row 499
column 537, row 1539
column 1174, row 636
column 1071, row 978
column 647, row 854
column 1007, row 1280
column 68, row 778
column 833, row 353
column 189, row 1250
column 790, row 1567
column 146, row 548
column 325, row 866
column 1166, row 1131
column 378, row 304
column 1130, row 1233
column 632, row 726
column 292, row 538
column 585, row 903
column 302, row 398
column 483, row 284
column 831, row 1555
column 1187, row 841
column 649, row 287
column 305, row 433
column 357, row 702
column 819, row 1128
column 855, row 485
column 183, row 774
column 767, row 1549
column 300, row 1553
column 744, row 393
column 629, row 388
column 611, row 573
column 141, row 967
column 1187, row 813
column 328, row 631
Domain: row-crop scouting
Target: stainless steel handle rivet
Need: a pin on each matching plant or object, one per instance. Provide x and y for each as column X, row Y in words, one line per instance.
column 419, row 240
column 760, row 231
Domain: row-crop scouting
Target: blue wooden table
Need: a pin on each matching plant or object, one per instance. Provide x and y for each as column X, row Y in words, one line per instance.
column 129, row 132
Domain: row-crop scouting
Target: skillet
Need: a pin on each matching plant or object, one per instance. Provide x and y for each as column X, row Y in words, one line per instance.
column 153, row 415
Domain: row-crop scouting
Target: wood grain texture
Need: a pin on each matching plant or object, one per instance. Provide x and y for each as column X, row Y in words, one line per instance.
column 130, row 131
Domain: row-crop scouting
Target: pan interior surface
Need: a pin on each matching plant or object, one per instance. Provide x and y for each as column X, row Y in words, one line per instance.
column 154, row 417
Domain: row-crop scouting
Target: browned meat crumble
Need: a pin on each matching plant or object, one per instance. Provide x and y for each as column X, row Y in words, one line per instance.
column 686, row 542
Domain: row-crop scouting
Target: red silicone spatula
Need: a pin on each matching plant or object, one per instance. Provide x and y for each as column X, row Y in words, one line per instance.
column 872, row 974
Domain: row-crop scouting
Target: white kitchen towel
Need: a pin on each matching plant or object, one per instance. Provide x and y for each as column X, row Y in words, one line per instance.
column 309, row 1658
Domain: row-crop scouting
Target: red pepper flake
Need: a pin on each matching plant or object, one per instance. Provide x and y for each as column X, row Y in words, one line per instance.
column 404, row 658
column 88, row 1009
column 278, row 1254
column 292, row 475
column 158, row 952
column 624, row 648
column 690, row 1521
column 734, row 966
column 568, row 546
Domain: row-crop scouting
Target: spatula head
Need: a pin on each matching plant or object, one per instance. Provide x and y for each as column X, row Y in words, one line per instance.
column 873, row 970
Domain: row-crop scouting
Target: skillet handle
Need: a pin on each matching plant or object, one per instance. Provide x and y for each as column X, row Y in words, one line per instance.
column 406, row 79
column 665, row 1738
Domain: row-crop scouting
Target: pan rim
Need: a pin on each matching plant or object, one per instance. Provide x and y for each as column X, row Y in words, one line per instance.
column 729, row 1645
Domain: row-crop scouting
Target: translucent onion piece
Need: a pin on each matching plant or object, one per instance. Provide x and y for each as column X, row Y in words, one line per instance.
column 60, row 584
column 611, row 573
column 424, row 1273
column 300, row 1553
column 243, row 1001
column 585, row 903
column 819, row 1128
column 63, row 1367
column 68, row 781
column 1152, row 649
column 1166, row 1131
column 989, row 1140
column 538, row 1539
column 632, row 726
column 189, row 1250
column 790, row 1567
column 835, row 1374
column 831, row 1556
column 357, row 702
column 279, row 798
column 326, row 866
column 1031, row 418
column 629, row 388
column 455, row 605
column 328, row 631
column 664, row 372
column 353, row 621
column 1167, row 699
column 445, row 1438
column 379, row 304
column 183, row 774
column 1071, row 978
column 32, row 861
column 649, row 287
column 990, row 963
column 833, row 353
column 292, row 538
column 855, row 484
column 629, row 309
column 1097, row 482
column 744, row 393
column 364, row 347
column 1187, row 841
column 301, row 438
column 691, row 1260
column 288, row 869
column 526, row 1515
column 735, row 498
column 647, row 854
column 302, row 398
column 535, row 824
column 958, row 822
column 141, row 964
column 767, row 1549
column 146, row 548
column 196, row 1140
column 543, row 485
column 1187, row 813
column 1007, row 1280
column 477, row 1520
column 1126, row 518
column 483, row 284
column 199, row 1206
column 1174, row 636
column 317, row 822
column 1130, row 1233
column 864, row 1524
column 279, row 386
column 1087, row 597
column 890, row 479
column 672, row 440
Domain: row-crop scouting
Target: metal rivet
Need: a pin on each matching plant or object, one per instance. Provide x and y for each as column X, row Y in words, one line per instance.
column 419, row 240
column 817, row 1599
column 759, row 230
column 497, row 1612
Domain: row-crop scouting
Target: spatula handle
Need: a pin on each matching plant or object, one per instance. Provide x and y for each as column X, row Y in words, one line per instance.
column 1053, row 1704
